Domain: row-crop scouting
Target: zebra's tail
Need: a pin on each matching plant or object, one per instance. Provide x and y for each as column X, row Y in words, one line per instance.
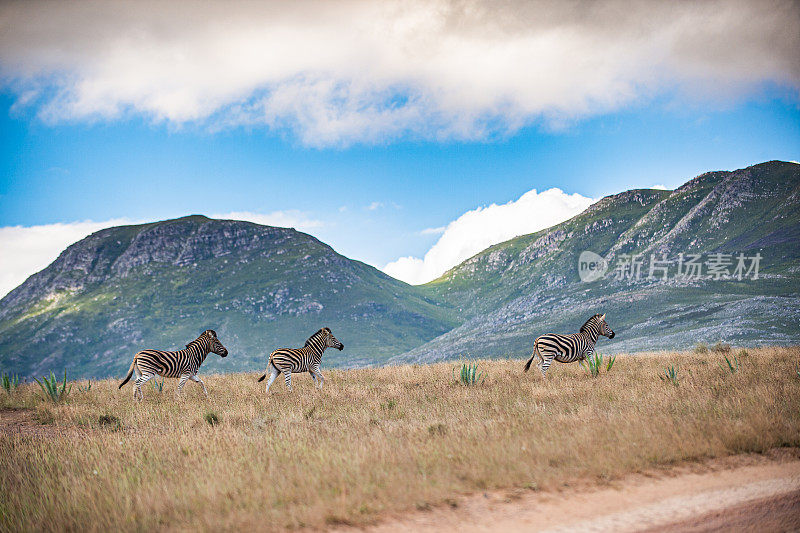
column 130, row 373
column 535, row 353
column 267, row 370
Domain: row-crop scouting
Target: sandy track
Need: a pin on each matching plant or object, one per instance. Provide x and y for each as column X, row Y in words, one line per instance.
column 749, row 492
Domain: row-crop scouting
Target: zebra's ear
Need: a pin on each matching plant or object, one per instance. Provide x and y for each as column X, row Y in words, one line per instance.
column 603, row 316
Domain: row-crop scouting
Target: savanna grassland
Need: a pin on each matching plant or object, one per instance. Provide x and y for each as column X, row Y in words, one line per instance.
column 374, row 440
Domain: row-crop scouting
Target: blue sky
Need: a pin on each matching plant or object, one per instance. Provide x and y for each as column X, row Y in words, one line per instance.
column 371, row 178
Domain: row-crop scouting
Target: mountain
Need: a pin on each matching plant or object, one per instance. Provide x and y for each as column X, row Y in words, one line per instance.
column 512, row 292
column 159, row 285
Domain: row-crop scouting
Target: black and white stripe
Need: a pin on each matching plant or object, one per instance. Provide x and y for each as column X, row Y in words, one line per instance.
column 569, row 348
column 305, row 359
column 183, row 364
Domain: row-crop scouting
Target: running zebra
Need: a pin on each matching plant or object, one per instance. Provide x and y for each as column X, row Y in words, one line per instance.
column 305, row 359
column 182, row 364
column 569, row 348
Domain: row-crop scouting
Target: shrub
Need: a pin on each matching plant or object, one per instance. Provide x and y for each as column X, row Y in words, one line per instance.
column 10, row 382
column 701, row 348
column 50, row 386
column 594, row 363
column 110, row 421
column 670, row 374
column 732, row 363
column 211, row 418
column 158, row 385
column 469, row 374
column 721, row 347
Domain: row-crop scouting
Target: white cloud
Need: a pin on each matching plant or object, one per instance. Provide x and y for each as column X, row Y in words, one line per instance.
column 659, row 186
column 286, row 219
column 480, row 228
column 374, row 205
column 433, row 231
column 335, row 73
column 27, row 250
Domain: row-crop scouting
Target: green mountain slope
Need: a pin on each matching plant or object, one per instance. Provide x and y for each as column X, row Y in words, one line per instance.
column 158, row 285
column 514, row 291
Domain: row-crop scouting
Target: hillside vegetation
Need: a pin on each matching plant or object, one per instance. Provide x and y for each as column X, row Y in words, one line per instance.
column 159, row 285
column 374, row 440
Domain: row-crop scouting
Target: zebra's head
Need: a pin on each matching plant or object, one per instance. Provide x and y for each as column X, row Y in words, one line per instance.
column 214, row 344
column 326, row 338
column 604, row 329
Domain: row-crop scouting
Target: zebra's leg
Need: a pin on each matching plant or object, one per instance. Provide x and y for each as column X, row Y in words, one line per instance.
column 547, row 360
column 273, row 373
column 197, row 379
column 319, row 379
column 181, row 383
column 287, row 375
column 141, row 380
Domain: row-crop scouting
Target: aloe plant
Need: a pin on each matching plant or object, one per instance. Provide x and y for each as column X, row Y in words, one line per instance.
column 469, row 374
column 10, row 382
column 733, row 364
column 87, row 387
column 610, row 363
column 50, row 386
column 670, row 374
column 594, row 363
column 158, row 385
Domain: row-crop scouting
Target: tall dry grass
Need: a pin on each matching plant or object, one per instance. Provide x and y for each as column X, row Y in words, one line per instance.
column 374, row 440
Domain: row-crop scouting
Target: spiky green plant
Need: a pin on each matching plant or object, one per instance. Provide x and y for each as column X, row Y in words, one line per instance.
column 797, row 369
column 469, row 374
column 158, row 385
column 85, row 388
column 10, row 382
column 670, row 374
column 732, row 363
column 50, row 386
column 610, row 363
column 593, row 363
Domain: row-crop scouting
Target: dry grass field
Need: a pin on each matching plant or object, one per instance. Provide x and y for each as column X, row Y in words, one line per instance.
column 373, row 441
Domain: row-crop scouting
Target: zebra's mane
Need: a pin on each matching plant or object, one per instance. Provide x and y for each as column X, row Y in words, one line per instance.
column 196, row 341
column 585, row 326
column 314, row 336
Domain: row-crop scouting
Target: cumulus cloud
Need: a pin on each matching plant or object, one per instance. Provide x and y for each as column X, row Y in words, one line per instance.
column 480, row 228
column 335, row 73
column 433, row 231
column 27, row 250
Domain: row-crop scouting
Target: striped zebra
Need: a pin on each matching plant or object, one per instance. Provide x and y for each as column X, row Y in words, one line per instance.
column 305, row 359
column 569, row 348
column 182, row 364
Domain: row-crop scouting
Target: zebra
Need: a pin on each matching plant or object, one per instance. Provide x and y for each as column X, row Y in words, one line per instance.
column 305, row 359
column 569, row 348
column 182, row 364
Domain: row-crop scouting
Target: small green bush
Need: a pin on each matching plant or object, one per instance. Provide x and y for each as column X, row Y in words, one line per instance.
column 10, row 382
column 469, row 374
column 594, row 363
column 670, row 374
column 610, row 363
column 85, row 388
column 50, row 386
column 212, row 418
column 731, row 364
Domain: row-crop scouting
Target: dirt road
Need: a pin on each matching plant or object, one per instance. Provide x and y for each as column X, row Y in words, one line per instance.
column 748, row 492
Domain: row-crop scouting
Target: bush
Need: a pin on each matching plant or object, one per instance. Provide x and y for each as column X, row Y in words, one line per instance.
column 211, row 418
column 10, row 382
column 50, row 386
column 110, row 421
column 469, row 374
column 670, row 374
column 701, row 348
column 721, row 347
column 732, row 363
